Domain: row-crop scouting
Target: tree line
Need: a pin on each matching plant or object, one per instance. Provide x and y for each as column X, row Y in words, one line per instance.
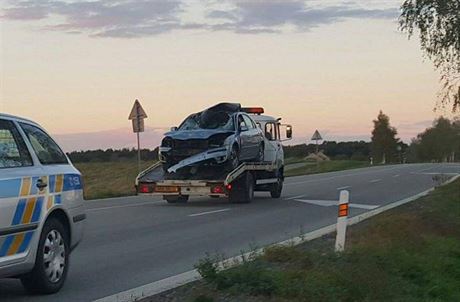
column 438, row 143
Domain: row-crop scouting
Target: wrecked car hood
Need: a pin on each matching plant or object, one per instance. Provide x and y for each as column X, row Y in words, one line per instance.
column 195, row 134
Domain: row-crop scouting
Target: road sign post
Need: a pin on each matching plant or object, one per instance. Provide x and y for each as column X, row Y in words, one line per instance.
column 342, row 221
column 137, row 116
column 316, row 137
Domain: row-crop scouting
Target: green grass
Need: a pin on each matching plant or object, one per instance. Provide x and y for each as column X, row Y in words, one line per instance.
column 109, row 179
column 325, row 166
column 411, row 253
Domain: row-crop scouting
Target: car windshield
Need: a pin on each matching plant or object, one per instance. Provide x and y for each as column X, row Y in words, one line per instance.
column 208, row 120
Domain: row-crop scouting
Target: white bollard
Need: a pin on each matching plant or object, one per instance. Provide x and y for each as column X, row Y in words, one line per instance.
column 342, row 221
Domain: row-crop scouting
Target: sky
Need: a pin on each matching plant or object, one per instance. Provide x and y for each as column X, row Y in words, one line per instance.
column 76, row 67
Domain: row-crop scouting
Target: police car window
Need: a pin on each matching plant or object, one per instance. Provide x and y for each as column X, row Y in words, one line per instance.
column 249, row 122
column 48, row 152
column 13, row 150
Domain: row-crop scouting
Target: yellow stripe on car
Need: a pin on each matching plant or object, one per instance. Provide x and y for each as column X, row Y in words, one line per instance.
column 16, row 244
column 29, row 210
column 26, row 186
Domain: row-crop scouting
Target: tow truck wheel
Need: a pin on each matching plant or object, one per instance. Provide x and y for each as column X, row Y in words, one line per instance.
column 277, row 187
column 176, row 198
column 243, row 189
column 52, row 261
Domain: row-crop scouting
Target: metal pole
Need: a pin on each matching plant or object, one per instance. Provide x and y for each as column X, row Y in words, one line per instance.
column 138, row 153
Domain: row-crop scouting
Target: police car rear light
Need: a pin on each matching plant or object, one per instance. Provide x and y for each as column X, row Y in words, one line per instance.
column 253, row 110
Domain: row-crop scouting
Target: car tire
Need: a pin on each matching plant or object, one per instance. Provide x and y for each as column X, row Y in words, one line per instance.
column 243, row 189
column 261, row 153
column 234, row 159
column 277, row 188
column 52, row 260
column 176, row 198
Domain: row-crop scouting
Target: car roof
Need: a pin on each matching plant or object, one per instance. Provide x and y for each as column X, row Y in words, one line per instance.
column 17, row 118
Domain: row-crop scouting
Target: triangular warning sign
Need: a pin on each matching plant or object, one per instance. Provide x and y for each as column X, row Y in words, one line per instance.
column 316, row 136
column 137, row 112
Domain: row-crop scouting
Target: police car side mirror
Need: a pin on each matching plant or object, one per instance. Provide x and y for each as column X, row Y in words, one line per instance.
column 243, row 128
column 173, row 129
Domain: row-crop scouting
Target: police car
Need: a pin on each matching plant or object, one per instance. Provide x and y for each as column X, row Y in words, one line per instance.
column 41, row 206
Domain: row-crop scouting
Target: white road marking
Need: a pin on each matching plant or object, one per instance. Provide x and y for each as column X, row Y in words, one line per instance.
column 397, row 175
column 343, row 188
column 123, row 206
column 338, row 176
column 375, row 180
column 434, row 173
column 210, row 212
column 295, row 197
column 330, row 203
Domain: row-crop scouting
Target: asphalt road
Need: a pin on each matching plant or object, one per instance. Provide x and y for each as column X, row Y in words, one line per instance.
column 133, row 241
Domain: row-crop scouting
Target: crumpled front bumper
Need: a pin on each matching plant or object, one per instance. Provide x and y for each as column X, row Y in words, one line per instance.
column 219, row 155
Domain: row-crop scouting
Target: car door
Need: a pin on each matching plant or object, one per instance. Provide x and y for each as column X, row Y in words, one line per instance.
column 62, row 176
column 21, row 194
column 272, row 145
column 244, row 135
column 254, row 137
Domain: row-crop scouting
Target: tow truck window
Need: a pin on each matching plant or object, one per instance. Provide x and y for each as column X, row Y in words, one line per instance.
column 270, row 131
column 13, row 150
column 48, row 152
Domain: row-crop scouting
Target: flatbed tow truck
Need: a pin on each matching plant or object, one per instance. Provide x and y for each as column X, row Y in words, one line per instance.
column 238, row 185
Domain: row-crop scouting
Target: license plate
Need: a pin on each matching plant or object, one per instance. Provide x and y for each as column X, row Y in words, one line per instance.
column 167, row 189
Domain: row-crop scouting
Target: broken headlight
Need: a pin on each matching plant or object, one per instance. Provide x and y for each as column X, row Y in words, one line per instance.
column 217, row 141
column 167, row 142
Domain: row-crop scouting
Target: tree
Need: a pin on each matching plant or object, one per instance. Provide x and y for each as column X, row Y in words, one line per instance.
column 384, row 141
column 441, row 142
column 438, row 22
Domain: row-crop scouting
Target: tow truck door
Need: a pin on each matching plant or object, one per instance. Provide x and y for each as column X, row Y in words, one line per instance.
column 272, row 141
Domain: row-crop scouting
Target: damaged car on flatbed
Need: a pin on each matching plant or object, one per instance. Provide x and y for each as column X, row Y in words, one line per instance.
column 222, row 135
column 223, row 151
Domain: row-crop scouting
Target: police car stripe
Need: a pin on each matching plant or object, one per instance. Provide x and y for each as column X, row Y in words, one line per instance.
column 15, row 244
column 25, row 243
column 6, row 245
column 10, row 187
column 25, row 186
column 59, row 183
column 37, row 210
column 19, row 212
column 29, row 210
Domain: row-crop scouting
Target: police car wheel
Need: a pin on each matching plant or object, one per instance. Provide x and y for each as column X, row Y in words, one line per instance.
column 52, row 261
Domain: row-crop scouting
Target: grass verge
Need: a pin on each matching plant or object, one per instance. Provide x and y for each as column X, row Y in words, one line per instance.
column 410, row 253
column 325, row 166
column 109, row 179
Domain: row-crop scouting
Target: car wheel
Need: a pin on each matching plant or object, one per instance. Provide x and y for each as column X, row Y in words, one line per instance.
column 260, row 153
column 234, row 159
column 243, row 189
column 176, row 198
column 277, row 188
column 52, row 261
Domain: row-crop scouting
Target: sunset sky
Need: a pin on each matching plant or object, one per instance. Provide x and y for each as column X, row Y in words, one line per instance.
column 76, row 67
